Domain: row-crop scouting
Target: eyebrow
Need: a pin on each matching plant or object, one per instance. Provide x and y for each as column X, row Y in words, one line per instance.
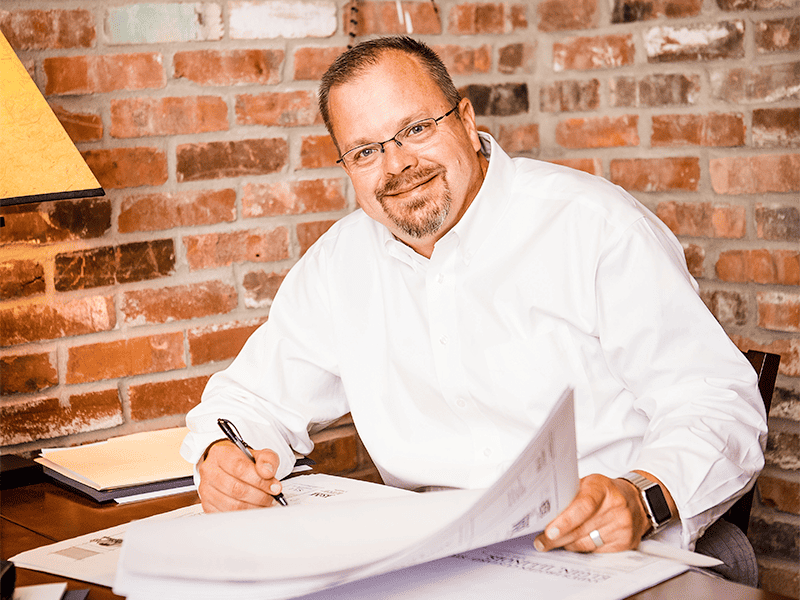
column 364, row 141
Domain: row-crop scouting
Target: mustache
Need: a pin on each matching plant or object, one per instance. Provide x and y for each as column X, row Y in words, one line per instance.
column 406, row 181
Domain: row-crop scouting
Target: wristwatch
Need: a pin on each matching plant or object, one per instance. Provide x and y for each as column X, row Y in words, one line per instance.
column 655, row 504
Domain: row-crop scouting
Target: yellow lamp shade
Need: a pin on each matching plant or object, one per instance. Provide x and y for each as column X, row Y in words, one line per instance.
column 38, row 160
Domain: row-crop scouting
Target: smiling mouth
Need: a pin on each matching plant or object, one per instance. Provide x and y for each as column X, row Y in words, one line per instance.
column 410, row 188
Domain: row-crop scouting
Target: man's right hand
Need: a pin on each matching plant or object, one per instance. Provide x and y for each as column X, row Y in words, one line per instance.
column 230, row 481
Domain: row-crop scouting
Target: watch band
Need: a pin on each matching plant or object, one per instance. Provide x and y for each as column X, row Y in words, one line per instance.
column 653, row 499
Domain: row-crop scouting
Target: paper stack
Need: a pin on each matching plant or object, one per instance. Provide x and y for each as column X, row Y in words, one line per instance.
column 277, row 553
column 137, row 465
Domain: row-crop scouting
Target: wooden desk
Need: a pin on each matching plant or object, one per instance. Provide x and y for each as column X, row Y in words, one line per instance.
column 44, row 513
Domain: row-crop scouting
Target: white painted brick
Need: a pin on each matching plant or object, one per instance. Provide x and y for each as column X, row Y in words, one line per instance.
column 252, row 20
column 151, row 23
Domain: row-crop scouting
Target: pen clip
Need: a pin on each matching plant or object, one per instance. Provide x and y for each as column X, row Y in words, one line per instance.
column 232, row 433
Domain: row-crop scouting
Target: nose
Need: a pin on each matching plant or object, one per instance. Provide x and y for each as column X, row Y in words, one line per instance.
column 397, row 158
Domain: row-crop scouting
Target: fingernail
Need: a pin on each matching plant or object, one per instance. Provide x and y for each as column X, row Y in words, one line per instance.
column 275, row 488
column 553, row 533
column 538, row 545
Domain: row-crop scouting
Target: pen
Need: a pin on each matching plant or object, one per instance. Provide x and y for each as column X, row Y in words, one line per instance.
column 230, row 431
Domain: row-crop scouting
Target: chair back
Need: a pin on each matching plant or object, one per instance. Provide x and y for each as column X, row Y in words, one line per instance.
column 766, row 366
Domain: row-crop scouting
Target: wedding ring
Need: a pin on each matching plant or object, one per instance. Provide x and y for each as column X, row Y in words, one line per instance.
column 595, row 535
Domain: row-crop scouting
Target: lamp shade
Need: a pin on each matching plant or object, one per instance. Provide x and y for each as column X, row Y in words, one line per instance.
column 38, row 160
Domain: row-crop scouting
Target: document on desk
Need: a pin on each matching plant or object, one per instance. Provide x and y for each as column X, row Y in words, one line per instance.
column 93, row 557
column 280, row 553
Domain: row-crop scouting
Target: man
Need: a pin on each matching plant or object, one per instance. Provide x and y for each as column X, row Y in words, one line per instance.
column 467, row 292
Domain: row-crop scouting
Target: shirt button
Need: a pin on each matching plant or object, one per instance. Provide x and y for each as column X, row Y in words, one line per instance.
column 439, row 278
column 461, row 403
column 443, row 340
column 487, row 452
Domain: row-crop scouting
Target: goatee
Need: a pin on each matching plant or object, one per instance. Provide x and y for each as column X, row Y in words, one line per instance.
column 426, row 213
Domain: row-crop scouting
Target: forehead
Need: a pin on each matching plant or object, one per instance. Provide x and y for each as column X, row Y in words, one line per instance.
column 382, row 98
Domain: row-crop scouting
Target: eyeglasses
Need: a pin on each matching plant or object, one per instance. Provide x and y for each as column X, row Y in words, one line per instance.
column 414, row 137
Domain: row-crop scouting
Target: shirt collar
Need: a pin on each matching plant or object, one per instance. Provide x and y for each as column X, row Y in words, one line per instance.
column 489, row 204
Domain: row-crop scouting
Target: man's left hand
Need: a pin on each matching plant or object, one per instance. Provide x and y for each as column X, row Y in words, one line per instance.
column 610, row 506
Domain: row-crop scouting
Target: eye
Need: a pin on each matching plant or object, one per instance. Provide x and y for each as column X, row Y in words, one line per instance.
column 419, row 128
column 364, row 154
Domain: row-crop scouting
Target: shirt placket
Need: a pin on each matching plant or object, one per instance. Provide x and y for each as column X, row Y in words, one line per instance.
column 441, row 287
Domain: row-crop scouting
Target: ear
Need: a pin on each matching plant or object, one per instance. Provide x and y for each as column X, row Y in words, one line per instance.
column 467, row 114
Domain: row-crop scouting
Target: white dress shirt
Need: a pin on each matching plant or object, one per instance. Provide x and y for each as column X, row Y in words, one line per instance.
column 552, row 278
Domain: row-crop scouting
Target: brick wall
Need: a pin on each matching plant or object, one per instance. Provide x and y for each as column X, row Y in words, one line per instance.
column 199, row 120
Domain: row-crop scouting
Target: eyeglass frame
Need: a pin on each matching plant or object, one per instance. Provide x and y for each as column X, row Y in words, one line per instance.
column 394, row 137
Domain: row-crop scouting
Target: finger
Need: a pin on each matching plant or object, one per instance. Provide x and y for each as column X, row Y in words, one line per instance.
column 217, row 500
column 565, row 528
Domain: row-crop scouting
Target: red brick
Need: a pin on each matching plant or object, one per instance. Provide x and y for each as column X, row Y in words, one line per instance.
column 779, row 577
column 598, row 52
column 215, row 343
column 778, row 35
column 382, row 17
column 593, row 166
column 293, row 197
column 695, row 42
column 80, row 126
column 151, row 212
column 700, row 130
column 657, row 174
column 598, row 132
column 308, row 233
column 764, row 83
column 759, row 266
column 27, row 373
column 49, row 222
column 310, row 63
column 317, row 151
column 214, row 160
column 48, row 29
column 704, row 219
column 21, row 278
column 570, row 95
column 519, row 138
column 559, row 15
column 177, row 303
column 501, row 100
column 106, row 73
column 165, row 398
column 260, row 288
column 283, row 109
column 482, row 18
column 335, row 450
column 695, row 256
column 779, row 493
column 107, row 265
column 779, row 311
column 778, row 222
column 789, row 349
column 516, row 58
column 214, row 67
column 222, row 249
column 139, row 117
column 127, row 167
column 46, row 418
column 53, row 320
column 776, row 127
column 629, row 11
column 125, row 358
column 729, row 308
column 463, row 60
column 755, row 174
column 660, row 89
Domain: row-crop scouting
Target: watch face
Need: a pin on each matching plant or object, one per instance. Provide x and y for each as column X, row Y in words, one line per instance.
column 658, row 504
